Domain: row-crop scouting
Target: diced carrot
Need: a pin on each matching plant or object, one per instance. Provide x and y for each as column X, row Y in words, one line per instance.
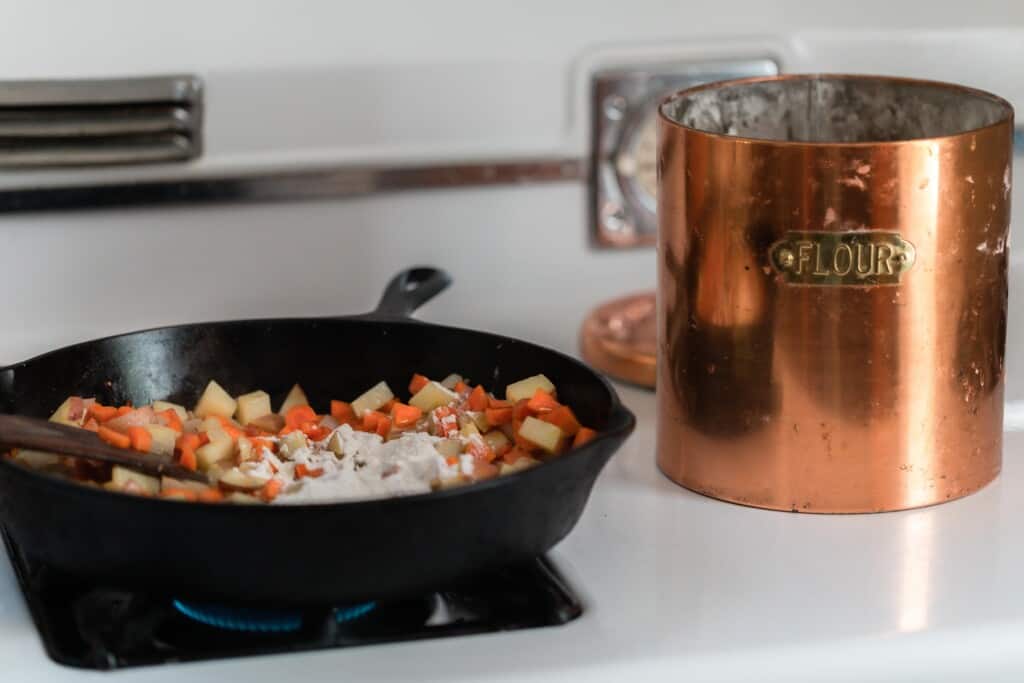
column 91, row 424
column 404, row 415
column 563, row 418
column 584, row 435
column 140, row 439
column 498, row 416
column 188, row 441
column 515, row 454
column 461, row 387
column 388, row 405
column 384, row 426
column 542, row 402
column 124, row 410
column 522, row 410
column 210, row 495
column 302, row 470
column 480, row 450
column 342, row 411
column 259, row 444
column 452, row 460
column 478, row 399
column 179, row 493
column 101, row 413
column 416, row 383
column 298, row 415
column 188, row 459
column 271, row 489
column 446, row 422
column 315, row 431
column 171, row 419
column 116, row 439
column 498, row 403
column 370, row 420
column 204, row 439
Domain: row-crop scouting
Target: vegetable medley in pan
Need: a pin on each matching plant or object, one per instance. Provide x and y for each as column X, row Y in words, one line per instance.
column 447, row 434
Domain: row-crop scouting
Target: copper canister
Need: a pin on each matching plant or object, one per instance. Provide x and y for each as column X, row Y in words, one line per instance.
column 832, row 277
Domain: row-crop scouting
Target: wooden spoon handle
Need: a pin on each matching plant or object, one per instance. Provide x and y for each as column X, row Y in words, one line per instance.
column 18, row 431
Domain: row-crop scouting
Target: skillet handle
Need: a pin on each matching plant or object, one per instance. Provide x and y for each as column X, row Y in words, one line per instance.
column 7, row 389
column 409, row 290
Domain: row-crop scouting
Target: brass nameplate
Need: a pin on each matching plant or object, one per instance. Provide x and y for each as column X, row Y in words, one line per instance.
column 842, row 258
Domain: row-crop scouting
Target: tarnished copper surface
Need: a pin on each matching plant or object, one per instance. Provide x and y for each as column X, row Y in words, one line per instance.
column 785, row 382
column 618, row 338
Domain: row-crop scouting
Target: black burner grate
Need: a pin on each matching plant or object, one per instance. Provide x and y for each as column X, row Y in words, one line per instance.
column 86, row 625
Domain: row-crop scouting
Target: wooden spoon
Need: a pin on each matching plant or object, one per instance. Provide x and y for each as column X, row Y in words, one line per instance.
column 18, row 431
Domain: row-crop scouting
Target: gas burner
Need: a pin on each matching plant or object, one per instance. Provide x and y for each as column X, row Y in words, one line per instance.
column 240, row 618
column 90, row 625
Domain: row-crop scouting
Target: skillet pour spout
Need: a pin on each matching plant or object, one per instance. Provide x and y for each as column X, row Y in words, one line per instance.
column 310, row 553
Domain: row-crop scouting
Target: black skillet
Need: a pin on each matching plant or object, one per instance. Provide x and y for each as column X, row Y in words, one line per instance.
column 310, row 553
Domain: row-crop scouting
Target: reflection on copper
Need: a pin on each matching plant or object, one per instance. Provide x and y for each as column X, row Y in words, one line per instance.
column 819, row 392
column 618, row 338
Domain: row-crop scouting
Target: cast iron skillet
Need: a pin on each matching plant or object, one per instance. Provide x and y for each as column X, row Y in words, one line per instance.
column 311, row 553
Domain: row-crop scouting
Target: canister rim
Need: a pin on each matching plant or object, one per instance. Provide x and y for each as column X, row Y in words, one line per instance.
column 1005, row 117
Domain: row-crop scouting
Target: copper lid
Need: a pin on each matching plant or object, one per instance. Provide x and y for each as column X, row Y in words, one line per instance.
column 619, row 338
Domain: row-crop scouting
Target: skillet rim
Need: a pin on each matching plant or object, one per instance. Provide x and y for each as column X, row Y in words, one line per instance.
column 622, row 420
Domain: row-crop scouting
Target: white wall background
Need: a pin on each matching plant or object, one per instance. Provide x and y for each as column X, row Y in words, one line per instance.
column 300, row 82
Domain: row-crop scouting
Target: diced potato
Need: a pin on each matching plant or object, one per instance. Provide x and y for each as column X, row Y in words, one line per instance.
column 271, row 422
column 245, row 449
column 467, row 427
column 479, row 419
column 185, row 484
column 220, row 448
column 526, row 388
column 163, row 439
column 497, row 440
column 211, row 425
column 36, row 459
column 237, row 479
column 161, row 406
column 336, row 445
column 518, row 466
column 295, row 397
column 63, row 414
column 239, row 497
column 449, row 447
column 372, row 398
column 293, row 441
column 431, row 396
column 451, row 380
column 215, row 401
column 544, row 434
column 214, row 472
column 251, row 406
column 124, row 479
